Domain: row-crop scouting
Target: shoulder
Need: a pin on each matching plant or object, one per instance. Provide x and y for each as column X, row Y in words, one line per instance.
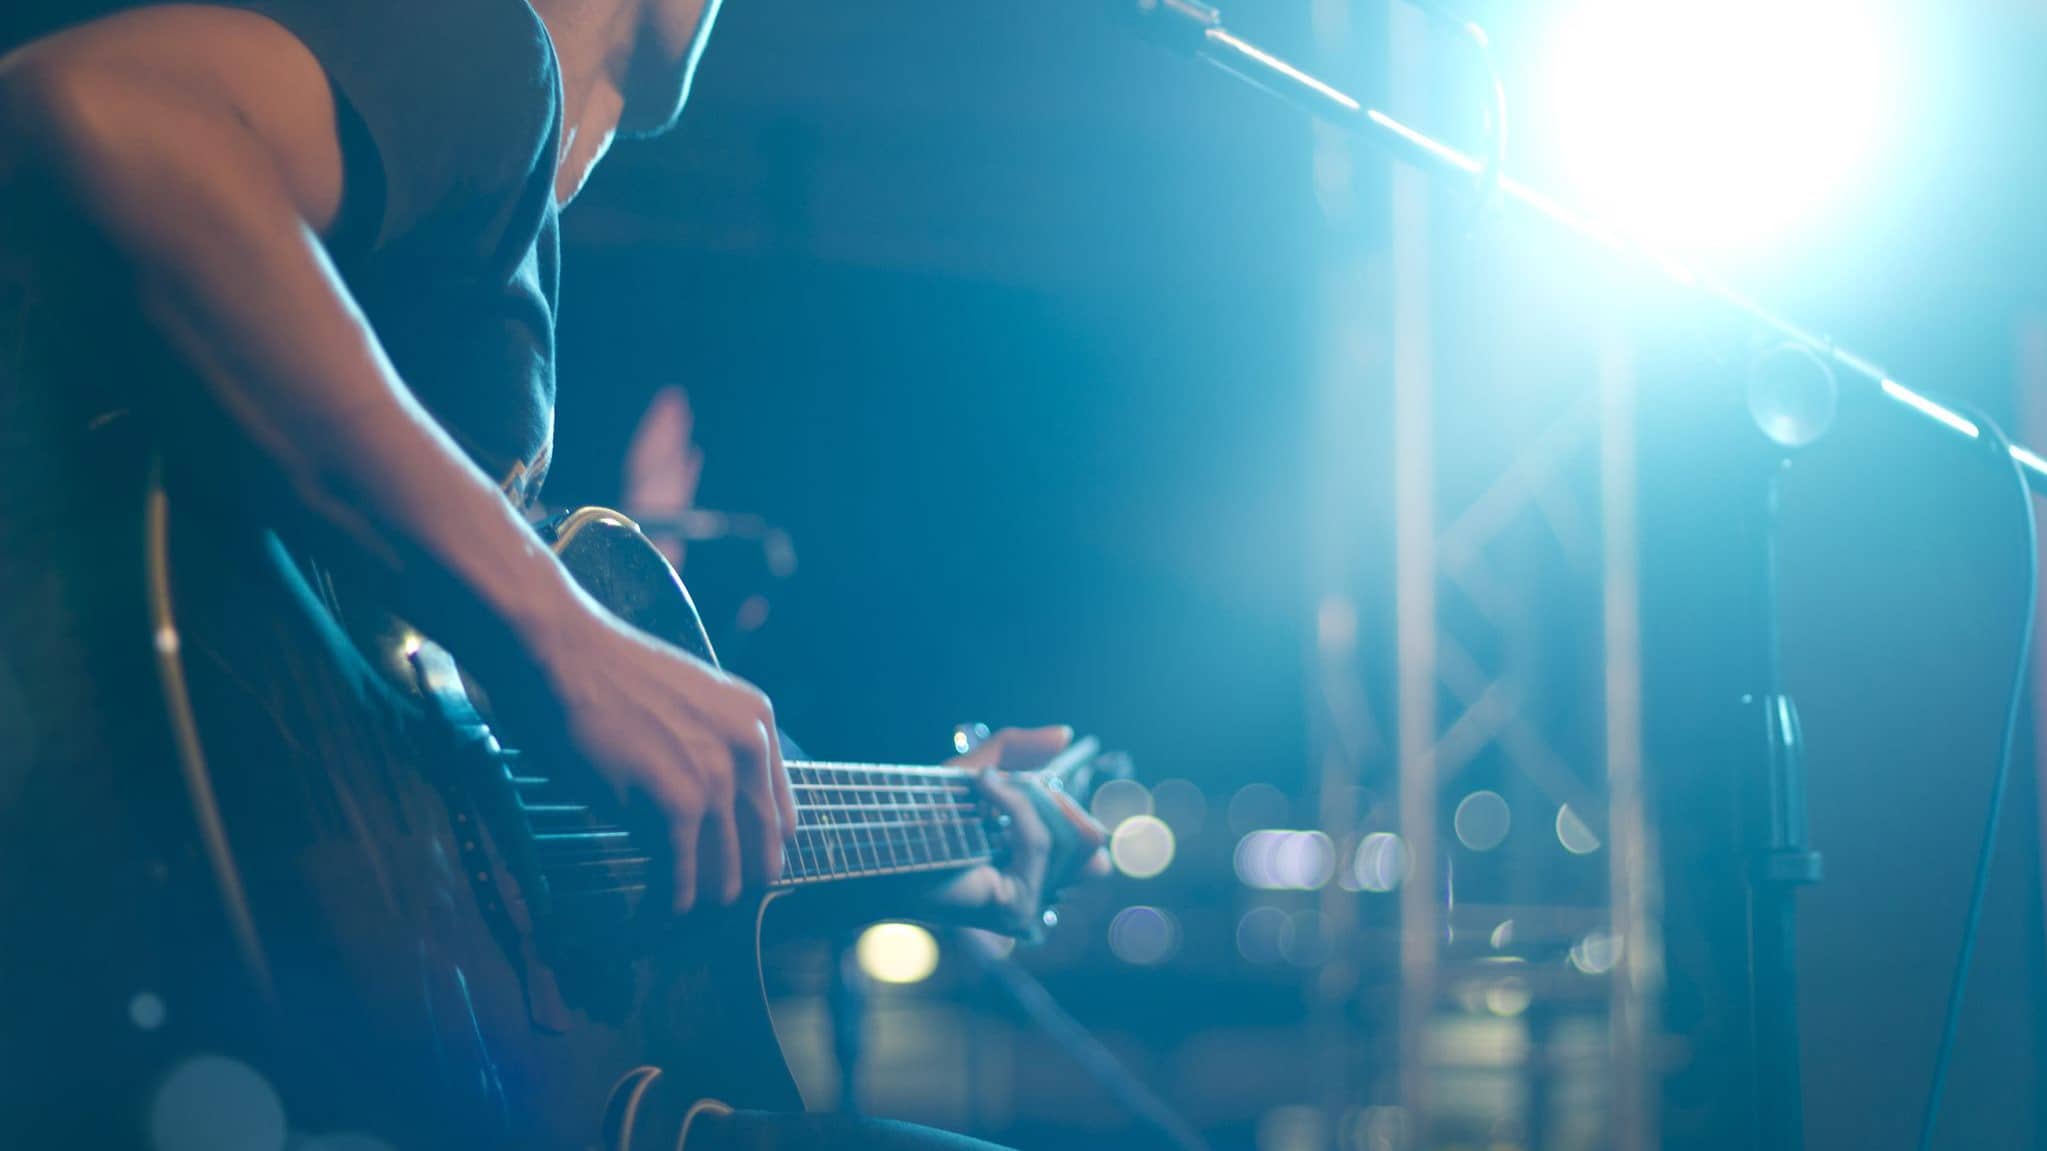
column 106, row 85
column 459, row 100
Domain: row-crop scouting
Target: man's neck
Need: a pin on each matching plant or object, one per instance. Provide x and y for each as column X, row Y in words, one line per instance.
column 593, row 45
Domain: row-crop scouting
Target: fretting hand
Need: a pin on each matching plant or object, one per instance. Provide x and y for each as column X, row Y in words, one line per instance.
column 1052, row 842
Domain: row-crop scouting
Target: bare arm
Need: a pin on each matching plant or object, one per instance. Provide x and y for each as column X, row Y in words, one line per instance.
column 200, row 144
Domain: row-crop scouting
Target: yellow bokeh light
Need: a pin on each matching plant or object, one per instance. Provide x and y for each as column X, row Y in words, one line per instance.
column 897, row 953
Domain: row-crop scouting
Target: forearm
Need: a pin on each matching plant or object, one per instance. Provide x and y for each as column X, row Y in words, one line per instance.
column 225, row 263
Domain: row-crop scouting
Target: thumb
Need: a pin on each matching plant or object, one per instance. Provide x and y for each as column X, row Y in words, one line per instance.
column 1022, row 748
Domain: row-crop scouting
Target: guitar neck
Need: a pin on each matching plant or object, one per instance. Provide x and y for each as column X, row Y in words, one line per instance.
column 855, row 820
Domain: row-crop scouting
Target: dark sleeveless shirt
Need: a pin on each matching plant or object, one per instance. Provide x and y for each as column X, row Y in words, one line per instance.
column 451, row 120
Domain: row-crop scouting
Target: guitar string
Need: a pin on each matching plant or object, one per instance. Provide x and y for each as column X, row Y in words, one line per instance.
column 587, row 840
column 826, row 847
column 966, row 851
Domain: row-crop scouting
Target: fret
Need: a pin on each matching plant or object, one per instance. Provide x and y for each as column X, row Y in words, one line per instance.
column 891, row 818
column 889, row 846
column 926, row 812
column 920, row 816
column 917, row 788
column 891, row 836
column 817, row 827
column 859, row 847
column 883, row 805
column 813, row 857
column 868, row 770
column 852, row 821
column 883, row 843
column 792, row 851
column 804, row 862
column 867, row 819
column 956, row 836
column 975, row 833
column 827, row 839
column 944, row 824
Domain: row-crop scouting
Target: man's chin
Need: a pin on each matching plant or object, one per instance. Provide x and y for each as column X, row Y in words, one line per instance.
column 634, row 127
column 653, row 109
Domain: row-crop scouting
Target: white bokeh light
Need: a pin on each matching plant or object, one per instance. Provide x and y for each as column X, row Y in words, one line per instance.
column 1142, row 846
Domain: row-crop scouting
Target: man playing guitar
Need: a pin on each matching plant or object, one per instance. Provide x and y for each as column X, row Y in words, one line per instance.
column 312, row 248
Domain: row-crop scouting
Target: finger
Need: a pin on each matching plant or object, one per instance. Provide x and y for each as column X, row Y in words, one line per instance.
column 1030, row 842
column 984, row 897
column 1097, row 864
column 1090, row 829
column 1022, row 748
column 1026, row 828
column 682, row 840
column 785, row 795
column 760, row 845
column 1018, row 748
column 722, row 856
column 760, row 807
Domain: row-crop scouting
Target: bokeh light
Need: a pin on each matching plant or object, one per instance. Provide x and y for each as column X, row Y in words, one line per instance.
column 1142, row 846
column 1577, row 838
column 1304, row 941
column 1118, row 800
column 1279, row 860
column 146, row 1010
column 897, row 953
column 1381, row 862
column 1596, row 953
column 1255, row 806
column 1293, row 1127
column 1181, row 804
column 1258, row 934
column 1144, row 936
column 1508, row 997
column 1482, row 820
column 210, row 1101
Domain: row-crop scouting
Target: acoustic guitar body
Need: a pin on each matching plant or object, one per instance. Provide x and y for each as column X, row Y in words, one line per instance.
column 346, row 913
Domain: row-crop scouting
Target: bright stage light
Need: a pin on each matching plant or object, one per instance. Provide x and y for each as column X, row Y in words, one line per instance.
column 1708, row 130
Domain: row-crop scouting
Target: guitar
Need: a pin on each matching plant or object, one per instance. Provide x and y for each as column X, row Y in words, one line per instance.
column 376, row 919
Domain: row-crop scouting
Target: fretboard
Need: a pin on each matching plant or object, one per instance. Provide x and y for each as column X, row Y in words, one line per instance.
column 859, row 819
column 852, row 821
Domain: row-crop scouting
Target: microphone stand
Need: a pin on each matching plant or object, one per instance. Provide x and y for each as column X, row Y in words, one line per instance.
column 1792, row 394
column 1196, row 29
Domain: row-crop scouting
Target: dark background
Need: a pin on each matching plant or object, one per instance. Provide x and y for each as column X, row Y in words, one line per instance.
column 972, row 302
column 1009, row 320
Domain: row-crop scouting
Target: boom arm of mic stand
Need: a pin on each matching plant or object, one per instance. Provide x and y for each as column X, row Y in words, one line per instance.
column 1197, row 29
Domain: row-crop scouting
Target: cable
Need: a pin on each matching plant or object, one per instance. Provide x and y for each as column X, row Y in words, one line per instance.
column 1951, row 1023
column 1038, row 1006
